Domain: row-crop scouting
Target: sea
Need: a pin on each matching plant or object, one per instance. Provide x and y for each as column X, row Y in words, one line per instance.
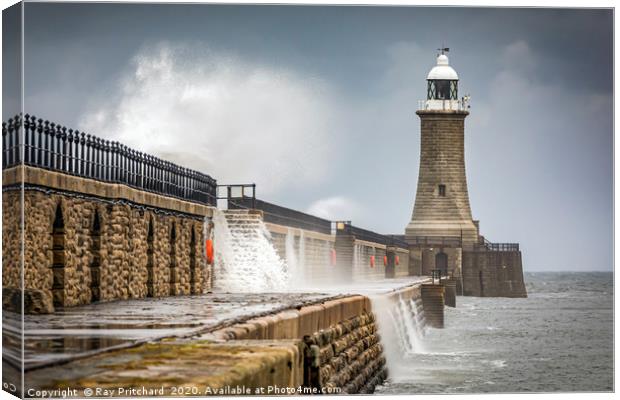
column 559, row 339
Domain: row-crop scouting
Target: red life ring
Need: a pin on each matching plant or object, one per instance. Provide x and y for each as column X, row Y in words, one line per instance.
column 333, row 257
column 372, row 261
column 397, row 260
column 209, row 251
column 385, row 261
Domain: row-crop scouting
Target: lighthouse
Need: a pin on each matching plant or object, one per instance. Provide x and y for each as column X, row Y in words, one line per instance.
column 441, row 225
column 442, row 234
column 441, row 210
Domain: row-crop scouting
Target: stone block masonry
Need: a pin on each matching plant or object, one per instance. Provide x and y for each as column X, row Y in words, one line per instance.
column 493, row 274
column 433, row 296
column 442, row 201
column 347, row 356
column 83, row 247
column 450, row 291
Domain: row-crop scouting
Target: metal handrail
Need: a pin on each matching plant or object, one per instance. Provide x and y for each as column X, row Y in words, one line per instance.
column 282, row 215
column 436, row 240
column 29, row 140
column 370, row 236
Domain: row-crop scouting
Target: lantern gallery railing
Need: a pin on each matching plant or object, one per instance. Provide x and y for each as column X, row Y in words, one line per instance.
column 501, row 246
column 47, row 145
column 444, row 105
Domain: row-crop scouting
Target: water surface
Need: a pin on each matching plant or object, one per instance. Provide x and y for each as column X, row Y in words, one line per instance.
column 558, row 339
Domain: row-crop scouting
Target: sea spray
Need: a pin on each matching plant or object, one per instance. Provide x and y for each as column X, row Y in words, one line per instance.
column 295, row 259
column 398, row 324
column 245, row 259
column 301, row 260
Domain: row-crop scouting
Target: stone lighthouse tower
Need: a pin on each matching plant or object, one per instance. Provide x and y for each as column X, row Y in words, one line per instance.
column 442, row 222
column 442, row 234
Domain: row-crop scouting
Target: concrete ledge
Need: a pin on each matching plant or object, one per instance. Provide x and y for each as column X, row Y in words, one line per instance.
column 113, row 191
column 208, row 368
column 296, row 323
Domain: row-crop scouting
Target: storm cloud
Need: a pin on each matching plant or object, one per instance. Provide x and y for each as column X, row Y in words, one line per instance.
column 316, row 105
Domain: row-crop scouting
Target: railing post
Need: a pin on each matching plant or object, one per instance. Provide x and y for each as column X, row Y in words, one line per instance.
column 89, row 170
column 34, row 143
column 254, row 195
column 47, row 144
column 63, row 137
column 5, row 160
column 70, row 157
column 29, row 139
column 99, row 162
column 127, row 165
column 27, row 145
column 10, row 142
column 54, row 146
column 82, row 159
column 39, row 128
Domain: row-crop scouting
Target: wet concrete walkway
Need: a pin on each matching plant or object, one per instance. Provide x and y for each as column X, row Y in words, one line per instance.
column 78, row 332
column 81, row 331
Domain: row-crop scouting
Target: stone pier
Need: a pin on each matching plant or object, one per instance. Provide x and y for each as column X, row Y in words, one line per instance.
column 434, row 300
column 87, row 241
column 327, row 346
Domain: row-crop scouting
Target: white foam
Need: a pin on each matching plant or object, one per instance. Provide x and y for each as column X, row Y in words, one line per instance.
column 245, row 259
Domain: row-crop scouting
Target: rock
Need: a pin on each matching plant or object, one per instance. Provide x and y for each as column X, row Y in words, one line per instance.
column 35, row 301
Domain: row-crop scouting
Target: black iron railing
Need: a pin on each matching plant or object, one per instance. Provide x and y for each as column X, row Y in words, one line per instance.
column 450, row 241
column 398, row 240
column 238, row 196
column 370, row 236
column 501, row 246
column 281, row 215
column 56, row 148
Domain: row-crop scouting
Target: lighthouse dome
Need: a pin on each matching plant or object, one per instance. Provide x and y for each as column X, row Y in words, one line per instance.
column 443, row 70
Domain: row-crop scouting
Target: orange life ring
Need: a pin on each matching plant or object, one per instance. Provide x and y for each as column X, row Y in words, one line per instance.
column 397, row 260
column 209, row 249
column 372, row 261
column 333, row 257
column 385, row 261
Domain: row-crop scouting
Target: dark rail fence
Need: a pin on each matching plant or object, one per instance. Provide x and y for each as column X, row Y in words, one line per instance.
column 450, row 241
column 501, row 246
column 281, row 215
column 56, row 148
column 370, row 236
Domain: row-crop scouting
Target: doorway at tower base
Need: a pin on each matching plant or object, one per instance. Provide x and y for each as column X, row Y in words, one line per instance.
column 479, row 271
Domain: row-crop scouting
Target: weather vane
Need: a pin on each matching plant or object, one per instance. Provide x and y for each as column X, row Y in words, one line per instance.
column 443, row 50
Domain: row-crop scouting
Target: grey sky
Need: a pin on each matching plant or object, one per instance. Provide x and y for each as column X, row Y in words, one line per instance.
column 316, row 104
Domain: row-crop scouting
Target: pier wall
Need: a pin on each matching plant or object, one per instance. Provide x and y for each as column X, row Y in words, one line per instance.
column 312, row 249
column 328, row 346
column 493, row 274
column 313, row 244
column 342, row 348
column 433, row 299
column 87, row 241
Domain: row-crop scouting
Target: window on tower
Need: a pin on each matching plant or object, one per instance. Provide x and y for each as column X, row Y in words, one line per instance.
column 454, row 91
column 442, row 190
column 441, row 89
